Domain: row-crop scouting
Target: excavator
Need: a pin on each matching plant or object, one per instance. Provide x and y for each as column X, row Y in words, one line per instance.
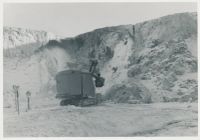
column 75, row 87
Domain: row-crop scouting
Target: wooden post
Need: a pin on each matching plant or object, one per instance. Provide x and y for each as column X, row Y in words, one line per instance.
column 28, row 103
column 28, row 95
column 16, row 91
column 18, row 101
column 15, row 99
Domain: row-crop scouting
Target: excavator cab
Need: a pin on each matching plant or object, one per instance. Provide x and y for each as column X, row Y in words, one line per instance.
column 77, row 87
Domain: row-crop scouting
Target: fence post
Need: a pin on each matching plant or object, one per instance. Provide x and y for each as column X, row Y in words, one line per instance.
column 18, row 101
column 28, row 95
column 16, row 91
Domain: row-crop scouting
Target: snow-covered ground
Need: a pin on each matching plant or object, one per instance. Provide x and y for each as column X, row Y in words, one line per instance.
column 108, row 119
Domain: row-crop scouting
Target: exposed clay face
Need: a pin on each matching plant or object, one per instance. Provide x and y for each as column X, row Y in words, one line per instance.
column 157, row 55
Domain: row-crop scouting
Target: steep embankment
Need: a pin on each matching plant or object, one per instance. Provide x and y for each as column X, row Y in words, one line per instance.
column 151, row 61
column 21, row 64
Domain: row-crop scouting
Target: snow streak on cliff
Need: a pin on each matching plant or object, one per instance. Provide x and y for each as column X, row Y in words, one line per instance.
column 17, row 36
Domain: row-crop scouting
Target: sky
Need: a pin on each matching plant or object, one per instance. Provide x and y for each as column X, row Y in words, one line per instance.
column 71, row 19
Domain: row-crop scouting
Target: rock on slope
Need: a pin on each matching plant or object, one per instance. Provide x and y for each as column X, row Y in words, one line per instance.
column 151, row 61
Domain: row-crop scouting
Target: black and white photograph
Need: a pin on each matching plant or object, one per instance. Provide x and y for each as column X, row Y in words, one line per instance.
column 100, row 69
